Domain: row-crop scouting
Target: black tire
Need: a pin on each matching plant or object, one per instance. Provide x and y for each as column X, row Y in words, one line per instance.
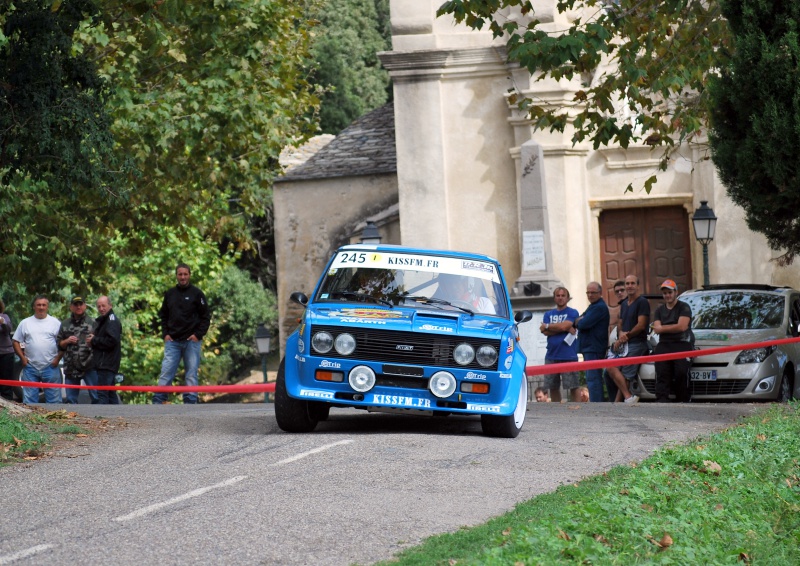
column 510, row 425
column 319, row 411
column 785, row 391
column 293, row 415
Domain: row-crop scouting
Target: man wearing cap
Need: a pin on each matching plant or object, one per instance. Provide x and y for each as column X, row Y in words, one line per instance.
column 35, row 343
column 672, row 322
column 72, row 340
column 185, row 318
column 634, row 318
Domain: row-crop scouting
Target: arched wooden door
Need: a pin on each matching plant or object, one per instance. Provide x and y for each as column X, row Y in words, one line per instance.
column 652, row 243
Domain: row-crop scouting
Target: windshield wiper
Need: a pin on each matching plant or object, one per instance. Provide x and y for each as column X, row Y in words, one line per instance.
column 365, row 297
column 434, row 301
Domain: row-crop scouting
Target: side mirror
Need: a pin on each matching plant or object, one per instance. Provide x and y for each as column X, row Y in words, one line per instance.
column 523, row 316
column 299, row 297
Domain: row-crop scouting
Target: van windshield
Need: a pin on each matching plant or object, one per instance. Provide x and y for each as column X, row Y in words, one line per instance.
column 736, row 310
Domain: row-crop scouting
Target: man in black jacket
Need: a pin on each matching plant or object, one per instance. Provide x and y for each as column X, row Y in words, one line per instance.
column 106, row 351
column 185, row 319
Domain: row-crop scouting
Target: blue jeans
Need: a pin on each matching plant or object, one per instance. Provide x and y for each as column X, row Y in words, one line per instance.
column 174, row 352
column 90, row 378
column 49, row 374
column 106, row 377
column 594, row 379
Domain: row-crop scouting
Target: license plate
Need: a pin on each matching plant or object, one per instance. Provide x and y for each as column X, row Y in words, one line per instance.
column 703, row 375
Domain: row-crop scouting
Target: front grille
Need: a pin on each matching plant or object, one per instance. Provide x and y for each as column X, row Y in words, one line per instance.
column 408, row 348
column 719, row 387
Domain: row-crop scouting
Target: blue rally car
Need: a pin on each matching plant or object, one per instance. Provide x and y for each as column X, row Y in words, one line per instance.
column 396, row 329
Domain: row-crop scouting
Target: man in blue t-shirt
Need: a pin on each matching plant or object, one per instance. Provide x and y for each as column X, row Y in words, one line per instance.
column 634, row 319
column 558, row 326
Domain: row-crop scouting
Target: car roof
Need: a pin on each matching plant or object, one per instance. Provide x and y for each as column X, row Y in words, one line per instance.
column 413, row 250
column 743, row 287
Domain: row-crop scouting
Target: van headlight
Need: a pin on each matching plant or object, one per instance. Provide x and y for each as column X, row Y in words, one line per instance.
column 754, row 356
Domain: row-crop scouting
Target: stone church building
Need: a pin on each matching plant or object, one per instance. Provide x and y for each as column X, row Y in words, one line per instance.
column 451, row 164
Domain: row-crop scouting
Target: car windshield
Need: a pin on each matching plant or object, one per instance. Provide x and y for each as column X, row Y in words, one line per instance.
column 736, row 310
column 420, row 281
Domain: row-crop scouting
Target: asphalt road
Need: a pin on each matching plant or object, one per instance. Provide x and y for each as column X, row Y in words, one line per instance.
column 221, row 484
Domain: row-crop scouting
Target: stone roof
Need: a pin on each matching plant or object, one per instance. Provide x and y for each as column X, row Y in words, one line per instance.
column 292, row 157
column 365, row 147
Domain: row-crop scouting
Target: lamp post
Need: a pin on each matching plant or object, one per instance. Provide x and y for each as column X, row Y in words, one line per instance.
column 262, row 345
column 704, row 225
column 370, row 234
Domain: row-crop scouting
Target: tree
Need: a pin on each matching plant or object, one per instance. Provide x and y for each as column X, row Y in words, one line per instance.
column 200, row 99
column 638, row 67
column 58, row 168
column 755, row 119
column 351, row 34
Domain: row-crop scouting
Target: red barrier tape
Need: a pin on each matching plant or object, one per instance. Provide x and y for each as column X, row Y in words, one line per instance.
column 529, row 370
column 634, row 360
column 248, row 388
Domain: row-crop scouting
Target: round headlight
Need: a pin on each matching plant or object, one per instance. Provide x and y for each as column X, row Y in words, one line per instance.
column 345, row 344
column 442, row 384
column 464, row 354
column 486, row 356
column 322, row 342
column 361, row 378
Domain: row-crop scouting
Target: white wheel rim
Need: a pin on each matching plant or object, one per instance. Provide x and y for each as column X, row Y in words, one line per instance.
column 522, row 403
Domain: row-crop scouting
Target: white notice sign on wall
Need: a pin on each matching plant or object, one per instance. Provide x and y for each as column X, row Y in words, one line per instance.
column 533, row 251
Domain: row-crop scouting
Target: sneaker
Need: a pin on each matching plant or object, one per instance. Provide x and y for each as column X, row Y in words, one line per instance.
column 632, row 399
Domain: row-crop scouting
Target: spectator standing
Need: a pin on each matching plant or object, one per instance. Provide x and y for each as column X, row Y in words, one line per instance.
column 105, row 342
column 613, row 314
column 35, row 342
column 672, row 322
column 185, row 318
column 614, row 306
column 73, row 342
column 631, row 331
column 6, row 353
column 558, row 326
column 592, row 328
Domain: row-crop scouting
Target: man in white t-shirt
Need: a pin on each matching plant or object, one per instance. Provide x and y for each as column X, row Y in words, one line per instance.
column 35, row 343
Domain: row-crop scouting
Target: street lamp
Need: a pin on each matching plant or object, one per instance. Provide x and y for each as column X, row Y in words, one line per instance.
column 704, row 225
column 370, row 234
column 262, row 345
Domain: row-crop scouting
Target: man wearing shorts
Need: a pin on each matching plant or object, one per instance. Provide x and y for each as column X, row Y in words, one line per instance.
column 562, row 346
column 634, row 318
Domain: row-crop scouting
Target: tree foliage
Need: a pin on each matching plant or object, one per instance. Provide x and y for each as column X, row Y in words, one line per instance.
column 755, row 119
column 638, row 67
column 351, row 34
column 198, row 99
column 58, row 167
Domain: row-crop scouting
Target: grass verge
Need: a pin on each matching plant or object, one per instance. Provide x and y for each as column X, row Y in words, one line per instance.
column 730, row 498
column 31, row 436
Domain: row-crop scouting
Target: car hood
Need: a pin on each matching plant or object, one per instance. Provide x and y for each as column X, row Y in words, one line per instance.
column 410, row 320
column 708, row 338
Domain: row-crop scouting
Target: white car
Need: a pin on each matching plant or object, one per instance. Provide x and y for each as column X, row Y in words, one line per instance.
column 726, row 315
